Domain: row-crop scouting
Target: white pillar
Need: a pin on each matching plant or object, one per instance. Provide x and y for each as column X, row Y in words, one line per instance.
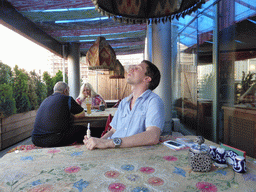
column 148, row 43
column 161, row 57
column 174, row 65
column 74, row 69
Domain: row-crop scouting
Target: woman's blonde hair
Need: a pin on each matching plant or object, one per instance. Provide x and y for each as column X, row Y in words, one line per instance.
column 89, row 86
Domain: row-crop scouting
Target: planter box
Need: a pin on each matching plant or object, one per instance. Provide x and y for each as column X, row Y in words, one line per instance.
column 16, row 128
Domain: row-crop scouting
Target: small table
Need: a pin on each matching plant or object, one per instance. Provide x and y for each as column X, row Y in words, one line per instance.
column 95, row 116
column 97, row 120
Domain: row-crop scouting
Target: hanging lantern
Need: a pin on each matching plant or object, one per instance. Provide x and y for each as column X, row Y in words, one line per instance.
column 101, row 56
column 142, row 10
column 118, row 72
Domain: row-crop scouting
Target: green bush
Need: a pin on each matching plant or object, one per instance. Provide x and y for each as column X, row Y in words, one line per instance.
column 48, row 82
column 41, row 91
column 32, row 92
column 7, row 102
column 21, row 90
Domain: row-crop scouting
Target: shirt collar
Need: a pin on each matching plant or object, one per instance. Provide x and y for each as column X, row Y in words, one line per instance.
column 145, row 94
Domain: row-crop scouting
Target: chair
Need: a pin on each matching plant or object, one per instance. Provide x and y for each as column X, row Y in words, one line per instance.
column 117, row 103
column 107, row 127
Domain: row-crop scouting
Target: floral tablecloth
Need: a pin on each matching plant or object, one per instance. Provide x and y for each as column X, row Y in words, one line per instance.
column 139, row 169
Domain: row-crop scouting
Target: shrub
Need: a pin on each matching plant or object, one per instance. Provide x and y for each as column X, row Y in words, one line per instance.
column 48, row 82
column 21, row 90
column 7, row 102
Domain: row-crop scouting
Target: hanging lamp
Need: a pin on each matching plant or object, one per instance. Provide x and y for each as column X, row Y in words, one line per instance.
column 101, row 56
column 118, row 72
column 141, row 11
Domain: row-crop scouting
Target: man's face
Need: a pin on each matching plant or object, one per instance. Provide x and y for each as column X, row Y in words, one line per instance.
column 136, row 73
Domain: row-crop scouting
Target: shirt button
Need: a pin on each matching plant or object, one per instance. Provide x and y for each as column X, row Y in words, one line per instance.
column 125, row 128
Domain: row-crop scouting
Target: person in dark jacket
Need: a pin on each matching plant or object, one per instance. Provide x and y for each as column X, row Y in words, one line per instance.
column 53, row 126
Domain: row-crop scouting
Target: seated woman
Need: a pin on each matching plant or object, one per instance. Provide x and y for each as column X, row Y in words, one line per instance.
column 88, row 91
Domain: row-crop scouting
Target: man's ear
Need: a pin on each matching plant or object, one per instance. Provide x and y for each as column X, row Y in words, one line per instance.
column 148, row 79
column 65, row 91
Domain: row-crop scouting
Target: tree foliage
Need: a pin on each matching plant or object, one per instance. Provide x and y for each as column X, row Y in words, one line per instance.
column 7, row 101
column 32, row 87
column 51, row 81
column 5, row 73
column 48, row 82
column 21, row 91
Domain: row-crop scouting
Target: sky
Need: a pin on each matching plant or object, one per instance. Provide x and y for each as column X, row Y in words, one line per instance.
column 18, row 50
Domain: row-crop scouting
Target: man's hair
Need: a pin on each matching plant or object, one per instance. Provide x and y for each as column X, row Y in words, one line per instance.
column 60, row 87
column 154, row 73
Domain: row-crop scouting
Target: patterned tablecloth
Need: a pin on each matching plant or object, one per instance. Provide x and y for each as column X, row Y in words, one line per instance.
column 148, row 168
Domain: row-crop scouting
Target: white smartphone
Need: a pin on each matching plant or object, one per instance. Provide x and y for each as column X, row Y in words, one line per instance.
column 174, row 144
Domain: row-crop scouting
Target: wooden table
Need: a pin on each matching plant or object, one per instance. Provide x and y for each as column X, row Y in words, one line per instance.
column 97, row 120
column 149, row 169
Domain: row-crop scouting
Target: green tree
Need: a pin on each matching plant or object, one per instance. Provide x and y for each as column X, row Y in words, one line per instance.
column 59, row 77
column 32, row 85
column 41, row 90
column 21, row 90
column 48, row 82
column 7, row 101
column 5, row 73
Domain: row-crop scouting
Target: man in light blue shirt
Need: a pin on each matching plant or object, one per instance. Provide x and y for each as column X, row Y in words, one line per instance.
column 140, row 117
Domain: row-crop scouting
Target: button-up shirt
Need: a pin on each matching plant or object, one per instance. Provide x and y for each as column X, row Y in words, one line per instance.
column 147, row 111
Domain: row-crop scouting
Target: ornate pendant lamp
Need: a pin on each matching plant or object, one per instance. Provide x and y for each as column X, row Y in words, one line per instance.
column 101, row 56
column 141, row 11
column 118, row 72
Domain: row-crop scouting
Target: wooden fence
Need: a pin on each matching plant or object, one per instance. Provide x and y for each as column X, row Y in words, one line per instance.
column 110, row 89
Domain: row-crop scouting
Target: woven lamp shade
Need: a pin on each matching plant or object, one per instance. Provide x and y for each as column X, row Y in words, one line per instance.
column 118, row 72
column 141, row 11
column 101, row 56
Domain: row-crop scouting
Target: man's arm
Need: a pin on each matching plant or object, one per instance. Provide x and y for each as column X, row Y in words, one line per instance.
column 108, row 134
column 79, row 115
column 149, row 137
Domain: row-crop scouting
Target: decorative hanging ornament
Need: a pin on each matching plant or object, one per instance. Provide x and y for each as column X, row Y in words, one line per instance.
column 141, row 10
column 118, row 72
column 101, row 56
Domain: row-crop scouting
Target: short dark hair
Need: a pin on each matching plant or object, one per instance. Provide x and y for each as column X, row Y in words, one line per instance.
column 154, row 73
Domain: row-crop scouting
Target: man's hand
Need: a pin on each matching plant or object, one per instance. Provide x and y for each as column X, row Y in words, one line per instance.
column 93, row 143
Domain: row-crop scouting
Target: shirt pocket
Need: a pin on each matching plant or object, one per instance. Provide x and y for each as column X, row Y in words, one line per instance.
column 140, row 118
column 124, row 117
column 142, row 113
